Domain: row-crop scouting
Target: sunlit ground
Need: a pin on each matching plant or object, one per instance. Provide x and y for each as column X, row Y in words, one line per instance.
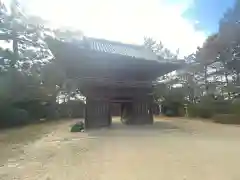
column 175, row 148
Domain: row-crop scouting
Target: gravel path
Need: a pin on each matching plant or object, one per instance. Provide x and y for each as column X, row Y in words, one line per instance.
column 173, row 149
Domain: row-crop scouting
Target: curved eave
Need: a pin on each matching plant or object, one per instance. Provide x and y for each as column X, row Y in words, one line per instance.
column 76, row 53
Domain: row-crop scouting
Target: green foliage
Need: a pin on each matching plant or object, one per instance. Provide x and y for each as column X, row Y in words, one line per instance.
column 10, row 116
column 28, row 47
column 219, row 110
column 220, row 52
column 170, row 112
column 236, row 107
column 173, row 108
column 226, row 118
column 204, row 109
column 23, row 82
column 72, row 109
column 197, row 110
column 192, row 110
column 27, row 79
column 232, row 116
column 36, row 108
column 222, row 106
column 159, row 49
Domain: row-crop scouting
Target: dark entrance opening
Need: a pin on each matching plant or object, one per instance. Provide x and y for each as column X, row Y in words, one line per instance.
column 121, row 108
column 115, row 109
column 132, row 111
column 126, row 112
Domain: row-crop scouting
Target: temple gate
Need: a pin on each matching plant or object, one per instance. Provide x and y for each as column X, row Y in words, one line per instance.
column 109, row 72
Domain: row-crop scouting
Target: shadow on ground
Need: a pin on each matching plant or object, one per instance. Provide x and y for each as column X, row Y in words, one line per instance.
column 156, row 126
column 119, row 129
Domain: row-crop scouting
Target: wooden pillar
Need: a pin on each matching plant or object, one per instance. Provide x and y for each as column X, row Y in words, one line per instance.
column 142, row 113
column 97, row 113
column 137, row 112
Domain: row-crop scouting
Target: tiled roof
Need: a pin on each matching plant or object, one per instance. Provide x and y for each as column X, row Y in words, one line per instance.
column 112, row 47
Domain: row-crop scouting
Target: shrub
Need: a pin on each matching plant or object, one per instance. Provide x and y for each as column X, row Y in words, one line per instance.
column 221, row 111
column 170, row 113
column 200, row 110
column 232, row 116
column 172, row 108
column 192, row 110
column 235, row 107
column 13, row 117
column 222, row 107
column 35, row 108
column 226, row 118
column 205, row 111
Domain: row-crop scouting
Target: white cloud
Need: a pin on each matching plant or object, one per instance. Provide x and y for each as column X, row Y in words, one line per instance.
column 6, row 45
column 124, row 20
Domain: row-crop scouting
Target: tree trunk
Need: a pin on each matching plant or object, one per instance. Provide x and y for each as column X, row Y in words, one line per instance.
column 238, row 78
column 227, row 81
column 191, row 94
column 15, row 49
column 205, row 79
column 52, row 110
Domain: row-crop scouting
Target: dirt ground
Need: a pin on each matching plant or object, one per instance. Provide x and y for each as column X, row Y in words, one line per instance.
column 171, row 149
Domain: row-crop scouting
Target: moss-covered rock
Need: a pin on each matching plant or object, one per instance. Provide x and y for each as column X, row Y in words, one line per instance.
column 78, row 127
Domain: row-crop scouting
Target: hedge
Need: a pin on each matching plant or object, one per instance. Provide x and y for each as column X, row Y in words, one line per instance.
column 226, row 112
column 226, row 118
column 13, row 117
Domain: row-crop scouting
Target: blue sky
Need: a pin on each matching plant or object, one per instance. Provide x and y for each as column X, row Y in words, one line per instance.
column 183, row 24
column 208, row 13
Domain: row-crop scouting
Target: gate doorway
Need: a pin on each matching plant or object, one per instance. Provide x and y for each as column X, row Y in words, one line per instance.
column 132, row 112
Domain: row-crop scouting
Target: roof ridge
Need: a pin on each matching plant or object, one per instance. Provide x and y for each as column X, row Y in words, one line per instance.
column 114, row 42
